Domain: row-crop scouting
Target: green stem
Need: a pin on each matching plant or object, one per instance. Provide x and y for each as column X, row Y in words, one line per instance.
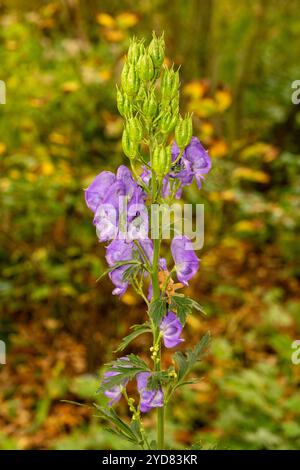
column 156, row 295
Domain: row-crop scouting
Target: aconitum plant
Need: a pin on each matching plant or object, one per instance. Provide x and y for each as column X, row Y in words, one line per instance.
column 164, row 157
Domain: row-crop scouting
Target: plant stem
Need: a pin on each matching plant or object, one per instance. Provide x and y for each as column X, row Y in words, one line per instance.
column 156, row 294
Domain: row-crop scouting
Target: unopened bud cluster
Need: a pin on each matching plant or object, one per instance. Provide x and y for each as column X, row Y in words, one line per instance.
column 154, row 352
column 148, row 100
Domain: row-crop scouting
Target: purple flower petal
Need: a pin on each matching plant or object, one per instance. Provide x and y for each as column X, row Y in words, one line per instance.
column 96, row 192
column 116, row 251
column 171, row 329
column 197, row 157
column 114, row 393
column 148, row 398
column 186, row 261
column 119, row 250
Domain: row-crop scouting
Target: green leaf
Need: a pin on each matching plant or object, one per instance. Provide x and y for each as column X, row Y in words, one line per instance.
column 157, row 310
column 137, row 331
column 187, row 361
column 126, row 367
column 183, row 306
column 119, row 434
column 135, row 427
column 153, row 445
column 131, row 271
column 159, row 378
column 187, row 382
column 131, row 263
column 111, row 416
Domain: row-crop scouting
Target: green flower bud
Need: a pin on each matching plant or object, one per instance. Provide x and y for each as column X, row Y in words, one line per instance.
column 156, row 50
column 169, row 83
column 123, row 103
column 168, row 122
column 130, row 147
column 184, row 131
column 134, row 129
column 174, row 105
column 136, row 49
column 142, row 95
column 150, row 106
column 145, row 68
column 129, row 79
column 161, row 161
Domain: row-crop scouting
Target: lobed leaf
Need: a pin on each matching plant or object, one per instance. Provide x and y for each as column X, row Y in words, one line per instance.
column 137, row 331
column 157, row 310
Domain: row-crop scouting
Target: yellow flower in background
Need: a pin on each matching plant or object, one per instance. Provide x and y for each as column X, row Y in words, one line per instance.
column 130, row 298
column 70, row 86
column 105, row 74
column 248, row 225
column 223, row 100
column 227, row 196
column 218, row 149
column 206, row 130
column 260, row 149
column 59, row 139
column 47, row 168
column 203, row 108
column 127, row 19
column 251, row 175
column 113, row 35
column 104, row 19
column 2, row 148
column 194, row 89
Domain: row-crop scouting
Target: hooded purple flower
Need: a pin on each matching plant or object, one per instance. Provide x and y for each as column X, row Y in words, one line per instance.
column 122, row 250
column 186, row 261
column 119, row 250
column 96, row 192
column 194, row 163
column 115, row 392
column 171, row 329
column 110, row 197
column 197, row 159
column 149, row 398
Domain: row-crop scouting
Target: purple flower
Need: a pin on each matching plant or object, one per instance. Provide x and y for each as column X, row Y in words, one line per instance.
column 194, row 163
column 106, row 222
column 115, row 392
column 96, row 192
column 186, row 261
column 116, row 277
column 119, row 250
column 116, row 202
column 171, row 329
column 196, row 157
column 149, row 398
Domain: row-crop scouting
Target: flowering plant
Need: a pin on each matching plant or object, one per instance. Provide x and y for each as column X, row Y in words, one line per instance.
column 148, row 100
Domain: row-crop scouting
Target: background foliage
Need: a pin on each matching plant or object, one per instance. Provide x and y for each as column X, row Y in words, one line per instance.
column 60, row 127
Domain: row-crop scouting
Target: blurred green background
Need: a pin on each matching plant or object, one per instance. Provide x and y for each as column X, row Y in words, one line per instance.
column 60, row 61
